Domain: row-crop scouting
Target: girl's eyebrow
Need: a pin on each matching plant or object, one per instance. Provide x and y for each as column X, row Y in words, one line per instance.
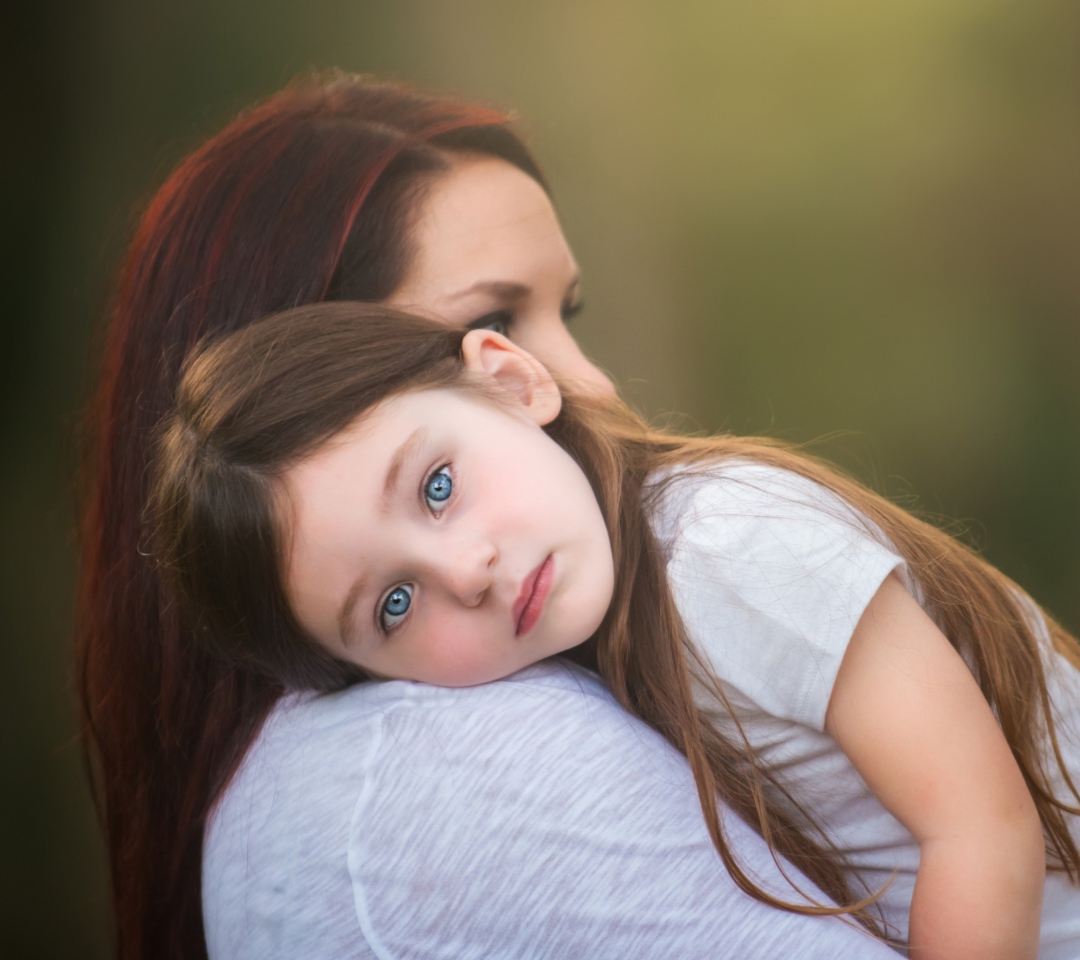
column 348, row 609
column 407, row 450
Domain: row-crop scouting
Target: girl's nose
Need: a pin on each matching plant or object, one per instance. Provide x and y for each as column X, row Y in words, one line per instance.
column 467, row 570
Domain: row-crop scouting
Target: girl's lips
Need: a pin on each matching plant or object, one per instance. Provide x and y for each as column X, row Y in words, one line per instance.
column 530, row 602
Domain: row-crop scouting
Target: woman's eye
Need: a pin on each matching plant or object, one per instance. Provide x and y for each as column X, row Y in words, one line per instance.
column 571, row 310
column 395, row 606
column 437, row 489
column 499, row 321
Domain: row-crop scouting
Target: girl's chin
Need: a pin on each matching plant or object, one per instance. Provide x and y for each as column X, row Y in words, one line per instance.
column 475, row 677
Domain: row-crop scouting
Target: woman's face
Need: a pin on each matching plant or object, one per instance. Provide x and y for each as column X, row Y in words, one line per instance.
column 446, row 538
column 489, row 252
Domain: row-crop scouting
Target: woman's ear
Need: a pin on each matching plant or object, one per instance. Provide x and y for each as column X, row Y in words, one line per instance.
column 518, row 372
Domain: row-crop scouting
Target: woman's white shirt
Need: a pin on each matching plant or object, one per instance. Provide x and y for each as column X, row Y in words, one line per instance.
column 529, row 818
column 771, row 573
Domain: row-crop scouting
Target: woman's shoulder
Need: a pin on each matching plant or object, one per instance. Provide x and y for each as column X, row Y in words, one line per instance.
column 316, row 751
column 284, row 837
column 309, row 729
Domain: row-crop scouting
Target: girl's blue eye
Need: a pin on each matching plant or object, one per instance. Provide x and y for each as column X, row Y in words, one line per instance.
column 395, row 606
column 438, row 488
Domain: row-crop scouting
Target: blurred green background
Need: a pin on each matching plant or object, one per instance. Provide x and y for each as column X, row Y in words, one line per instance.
column 827, row 220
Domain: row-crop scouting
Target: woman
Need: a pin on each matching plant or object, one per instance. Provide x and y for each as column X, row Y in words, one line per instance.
column 343, row 189
column 319, row 193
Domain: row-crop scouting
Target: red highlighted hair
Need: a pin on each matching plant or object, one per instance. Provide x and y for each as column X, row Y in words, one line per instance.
column 306, row 197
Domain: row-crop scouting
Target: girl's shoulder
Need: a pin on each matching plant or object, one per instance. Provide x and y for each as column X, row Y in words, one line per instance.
column 771, row 572
column 736, row 498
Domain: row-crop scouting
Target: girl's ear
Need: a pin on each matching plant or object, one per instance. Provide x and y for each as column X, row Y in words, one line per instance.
column 517, row 371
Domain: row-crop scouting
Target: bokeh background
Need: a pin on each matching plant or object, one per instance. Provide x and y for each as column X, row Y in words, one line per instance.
column 855, row 224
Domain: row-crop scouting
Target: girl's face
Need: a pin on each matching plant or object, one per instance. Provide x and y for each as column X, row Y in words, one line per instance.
column 489, row 253
column 444, row 537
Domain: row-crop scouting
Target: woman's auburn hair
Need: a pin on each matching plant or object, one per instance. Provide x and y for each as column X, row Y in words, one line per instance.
column 257, row 402
column 308, row 196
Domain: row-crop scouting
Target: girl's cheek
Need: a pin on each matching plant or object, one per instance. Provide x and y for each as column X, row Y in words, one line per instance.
column 458, row 654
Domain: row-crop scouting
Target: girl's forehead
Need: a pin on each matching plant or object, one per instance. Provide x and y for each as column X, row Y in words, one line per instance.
column 348, row 483
column 373, row 436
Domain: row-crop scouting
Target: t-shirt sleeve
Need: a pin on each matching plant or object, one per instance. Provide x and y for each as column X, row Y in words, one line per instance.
column 771, row 573
column 533, row 820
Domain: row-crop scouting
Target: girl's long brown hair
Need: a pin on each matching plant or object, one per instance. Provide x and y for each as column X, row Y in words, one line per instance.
column 258, row 401
column 305, row 197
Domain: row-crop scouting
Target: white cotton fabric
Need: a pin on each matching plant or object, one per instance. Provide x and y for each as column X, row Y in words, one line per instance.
column 771, row 573
column 529, row 818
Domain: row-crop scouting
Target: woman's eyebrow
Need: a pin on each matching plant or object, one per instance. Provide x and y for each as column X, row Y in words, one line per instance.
column 504, row 289
column 507, row 289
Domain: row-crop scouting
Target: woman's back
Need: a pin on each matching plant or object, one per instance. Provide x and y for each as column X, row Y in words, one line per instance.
column 527, row 818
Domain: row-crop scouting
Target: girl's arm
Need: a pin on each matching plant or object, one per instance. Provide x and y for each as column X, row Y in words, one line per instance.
column 911, row 718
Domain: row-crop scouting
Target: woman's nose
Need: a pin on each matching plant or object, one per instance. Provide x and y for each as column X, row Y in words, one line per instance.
column 570, row 363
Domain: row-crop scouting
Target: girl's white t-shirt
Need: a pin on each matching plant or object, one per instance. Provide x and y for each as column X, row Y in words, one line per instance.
column 771, row 573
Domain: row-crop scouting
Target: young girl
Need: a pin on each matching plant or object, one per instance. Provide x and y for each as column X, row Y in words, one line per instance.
column 345, row 492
